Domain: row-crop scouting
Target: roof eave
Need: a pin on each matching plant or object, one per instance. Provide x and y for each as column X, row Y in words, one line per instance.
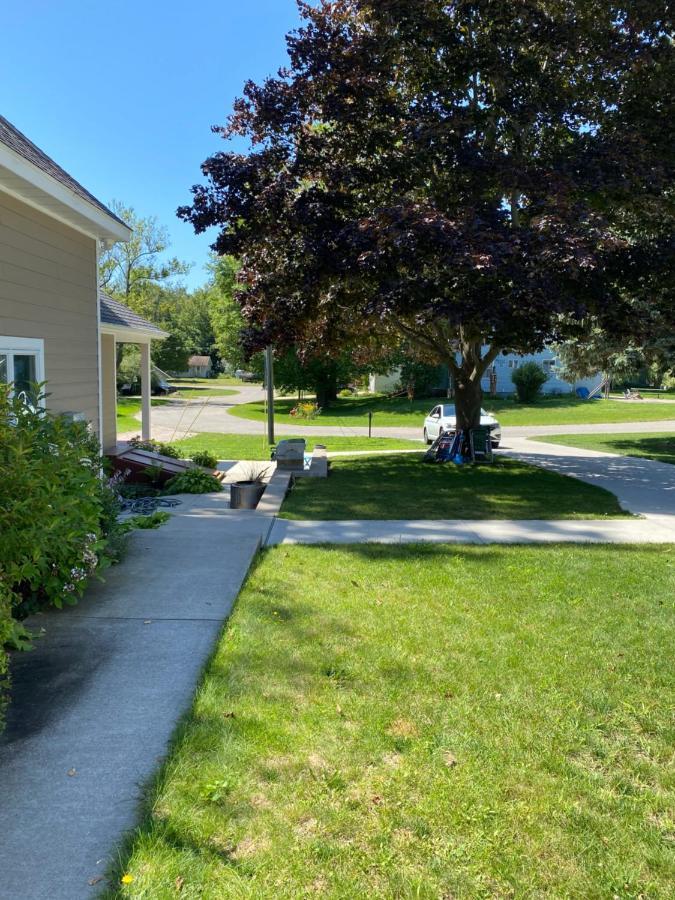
column 133, row 335
column 31, row 185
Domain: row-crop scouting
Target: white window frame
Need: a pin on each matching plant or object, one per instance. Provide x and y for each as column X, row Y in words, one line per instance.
column 17, row 346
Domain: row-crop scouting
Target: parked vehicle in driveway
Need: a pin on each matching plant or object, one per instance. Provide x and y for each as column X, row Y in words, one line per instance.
column 243, row 375
column 444, row 418
column 161, row 386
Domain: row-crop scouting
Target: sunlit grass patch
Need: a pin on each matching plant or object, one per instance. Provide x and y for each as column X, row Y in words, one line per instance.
column 403, row 487
column 401, row 721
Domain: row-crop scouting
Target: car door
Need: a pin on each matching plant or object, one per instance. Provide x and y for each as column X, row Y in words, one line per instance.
column 434, row 427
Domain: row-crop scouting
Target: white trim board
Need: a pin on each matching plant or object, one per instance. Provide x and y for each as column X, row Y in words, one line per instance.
column 31, row 185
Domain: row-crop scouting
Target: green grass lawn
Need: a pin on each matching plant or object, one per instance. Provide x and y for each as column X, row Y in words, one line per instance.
column 426, row 722
column 403, row 487
column 251, row 446
column 220, row 381
column 659, row 445
column 353, row 411
column 127, row 408
column 201, row 392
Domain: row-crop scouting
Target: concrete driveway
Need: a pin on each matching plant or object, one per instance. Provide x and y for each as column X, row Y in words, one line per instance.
column 642, row 486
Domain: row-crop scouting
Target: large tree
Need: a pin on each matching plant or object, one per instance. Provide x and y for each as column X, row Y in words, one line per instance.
column 475, row 176
column 127, row 268
column 225, row 314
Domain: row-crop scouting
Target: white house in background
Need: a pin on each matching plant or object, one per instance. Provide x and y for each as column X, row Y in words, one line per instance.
column 504, row 367
column 198, row 367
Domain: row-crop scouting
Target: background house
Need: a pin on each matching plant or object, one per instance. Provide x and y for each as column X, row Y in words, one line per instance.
column 198, row 367
column 503, row 367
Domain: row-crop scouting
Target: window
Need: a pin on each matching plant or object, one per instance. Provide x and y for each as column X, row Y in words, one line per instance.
column 21, row 363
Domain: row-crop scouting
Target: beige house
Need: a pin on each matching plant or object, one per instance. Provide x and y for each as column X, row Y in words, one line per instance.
column 198, row 367
column 51, row 327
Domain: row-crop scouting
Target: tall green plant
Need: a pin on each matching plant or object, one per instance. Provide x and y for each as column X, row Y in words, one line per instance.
column 56, row 510
column 529, row 379
column 5, row 632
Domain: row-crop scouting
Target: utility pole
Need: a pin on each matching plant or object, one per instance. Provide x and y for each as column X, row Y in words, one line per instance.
column 269, row 382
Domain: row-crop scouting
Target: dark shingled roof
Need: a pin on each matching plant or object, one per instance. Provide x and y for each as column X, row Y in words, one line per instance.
column 115, row 313
column 199, row 361
column 15, row 140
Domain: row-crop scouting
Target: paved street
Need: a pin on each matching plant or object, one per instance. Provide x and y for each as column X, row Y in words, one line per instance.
column 173, row 419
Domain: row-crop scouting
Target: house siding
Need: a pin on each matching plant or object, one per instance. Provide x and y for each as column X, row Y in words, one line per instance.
column 48, row 290
column 504, row 367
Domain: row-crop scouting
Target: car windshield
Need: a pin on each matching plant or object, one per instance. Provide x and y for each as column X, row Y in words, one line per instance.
column 449, row 410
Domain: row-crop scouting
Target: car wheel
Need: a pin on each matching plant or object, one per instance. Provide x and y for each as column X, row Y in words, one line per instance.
column 495, row 445
column 426, row 438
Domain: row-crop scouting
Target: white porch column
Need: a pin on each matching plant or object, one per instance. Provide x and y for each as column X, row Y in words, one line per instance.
column 108, row 392
column 146, row 392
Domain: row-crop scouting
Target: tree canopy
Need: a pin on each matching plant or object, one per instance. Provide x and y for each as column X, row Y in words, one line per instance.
column 465, row 174
column 142, row 275
column 127, row 267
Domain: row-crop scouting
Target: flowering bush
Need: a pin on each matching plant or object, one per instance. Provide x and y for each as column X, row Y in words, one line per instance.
column 306, row 411
column 56, row 509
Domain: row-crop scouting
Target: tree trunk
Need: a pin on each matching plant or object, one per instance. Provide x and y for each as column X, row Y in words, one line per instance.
column 468, row 400
column 326, row 391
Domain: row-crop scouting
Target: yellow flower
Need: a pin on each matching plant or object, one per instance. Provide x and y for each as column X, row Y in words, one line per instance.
column 127, row 879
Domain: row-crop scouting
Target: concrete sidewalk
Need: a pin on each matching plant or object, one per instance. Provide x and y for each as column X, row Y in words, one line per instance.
column 95, row 704
column 462, row 531
column 642, row 486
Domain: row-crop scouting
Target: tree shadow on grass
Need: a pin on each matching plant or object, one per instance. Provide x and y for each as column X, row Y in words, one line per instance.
column 404, row 487
column 661, row 449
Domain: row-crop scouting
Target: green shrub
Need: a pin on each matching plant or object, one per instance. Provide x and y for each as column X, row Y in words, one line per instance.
column 418, row 378
column 6, row 624
column 204, row 458
column 56, row 509
column 529, row 379
column 194, row 481
column 129, row 370
column 137, row 443
column 155, row 520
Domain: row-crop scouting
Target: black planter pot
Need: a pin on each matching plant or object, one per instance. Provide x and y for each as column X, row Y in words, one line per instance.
column 246, row 494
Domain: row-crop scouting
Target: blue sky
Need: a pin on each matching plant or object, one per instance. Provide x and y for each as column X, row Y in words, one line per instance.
column 123, row 95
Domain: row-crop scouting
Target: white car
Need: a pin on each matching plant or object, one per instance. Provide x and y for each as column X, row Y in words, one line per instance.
column 443, row 418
